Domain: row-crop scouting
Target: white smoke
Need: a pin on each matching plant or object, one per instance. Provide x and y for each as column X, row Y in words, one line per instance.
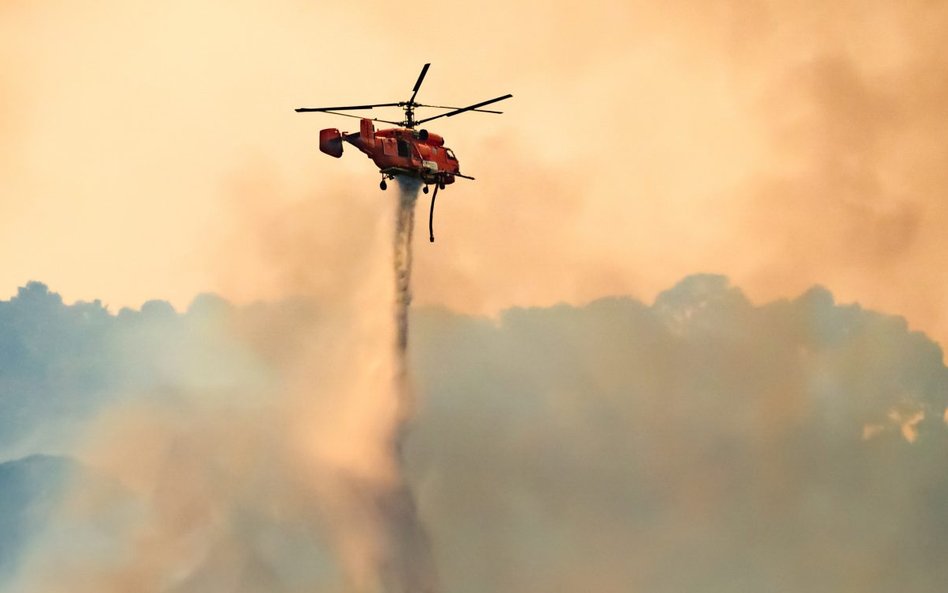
column 701, row 442
column 284, row 476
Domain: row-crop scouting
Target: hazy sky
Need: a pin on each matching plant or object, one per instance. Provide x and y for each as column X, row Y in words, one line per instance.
column 151, row 151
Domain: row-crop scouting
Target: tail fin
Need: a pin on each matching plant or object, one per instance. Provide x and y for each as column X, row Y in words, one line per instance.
column 366, row 130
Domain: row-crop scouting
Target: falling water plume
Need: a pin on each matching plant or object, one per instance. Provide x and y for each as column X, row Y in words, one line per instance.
column 411, row 567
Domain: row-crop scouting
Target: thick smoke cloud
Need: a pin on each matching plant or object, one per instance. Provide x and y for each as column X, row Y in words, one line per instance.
column 236, row 429
column 700, row 443
column 696, row 443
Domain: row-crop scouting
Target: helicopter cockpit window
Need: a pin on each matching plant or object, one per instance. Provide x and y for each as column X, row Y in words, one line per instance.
column 402, row 148
column 450, row 154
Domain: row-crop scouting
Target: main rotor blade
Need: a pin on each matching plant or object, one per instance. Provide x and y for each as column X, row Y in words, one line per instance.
column 463, row 109
column 384, row 121
column 421, row 77
column 344, row 108
column 447, row 107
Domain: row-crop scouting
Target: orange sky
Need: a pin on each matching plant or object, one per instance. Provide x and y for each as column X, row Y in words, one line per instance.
column 151, row 151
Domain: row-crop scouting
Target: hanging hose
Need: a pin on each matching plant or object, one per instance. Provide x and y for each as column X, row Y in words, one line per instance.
column 431, row 214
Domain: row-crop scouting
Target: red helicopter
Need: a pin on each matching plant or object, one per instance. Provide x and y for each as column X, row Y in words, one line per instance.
column 404, row 150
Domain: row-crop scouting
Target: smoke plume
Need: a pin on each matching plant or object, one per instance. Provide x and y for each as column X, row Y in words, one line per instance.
column 699, row 442
column 255, row 467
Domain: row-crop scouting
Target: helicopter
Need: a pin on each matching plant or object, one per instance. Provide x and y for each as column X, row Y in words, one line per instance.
column 404, row 150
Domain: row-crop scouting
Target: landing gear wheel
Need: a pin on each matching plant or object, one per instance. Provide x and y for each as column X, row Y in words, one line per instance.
column 424, row 189
column 383, row 186
column 441, row 185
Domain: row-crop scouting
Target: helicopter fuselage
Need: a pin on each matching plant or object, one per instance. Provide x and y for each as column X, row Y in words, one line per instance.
column 398, row 151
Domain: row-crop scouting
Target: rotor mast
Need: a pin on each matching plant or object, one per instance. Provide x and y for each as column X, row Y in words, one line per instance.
column 409, row 106
column 409, row 116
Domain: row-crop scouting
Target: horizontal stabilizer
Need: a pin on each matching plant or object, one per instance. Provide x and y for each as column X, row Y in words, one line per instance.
column 330, row 142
